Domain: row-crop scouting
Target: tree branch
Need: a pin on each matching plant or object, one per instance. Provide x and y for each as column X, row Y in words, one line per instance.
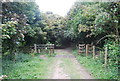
column 111, row 36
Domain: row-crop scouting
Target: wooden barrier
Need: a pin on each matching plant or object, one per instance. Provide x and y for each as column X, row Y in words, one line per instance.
column 86, row 49
column 37, row 47
column 89, row 49
column 106, row 53
column 93, row 52
column 81, row 48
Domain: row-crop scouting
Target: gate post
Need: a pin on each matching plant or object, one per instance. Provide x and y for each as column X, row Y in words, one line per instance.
column 53, row 48
column 106, row 53
column 35, row 48
column 93, row 52
column 86, row 49
column 78, row 49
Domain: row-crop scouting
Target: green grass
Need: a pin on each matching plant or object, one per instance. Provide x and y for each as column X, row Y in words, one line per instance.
column 96, row 67
column 27, row 67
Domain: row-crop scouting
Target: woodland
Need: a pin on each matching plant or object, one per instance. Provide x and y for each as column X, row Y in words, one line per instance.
column 24, row 24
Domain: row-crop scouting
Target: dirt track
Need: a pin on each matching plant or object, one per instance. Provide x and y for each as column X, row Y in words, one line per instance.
column 67, row 67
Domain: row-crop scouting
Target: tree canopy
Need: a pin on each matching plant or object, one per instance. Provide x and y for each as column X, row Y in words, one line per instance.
column 23, row 24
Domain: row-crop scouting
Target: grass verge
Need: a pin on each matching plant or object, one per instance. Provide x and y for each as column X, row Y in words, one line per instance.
column 96, row 67
column 27, row 67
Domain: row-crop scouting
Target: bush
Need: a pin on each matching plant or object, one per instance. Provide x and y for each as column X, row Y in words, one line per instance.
column 113, row 57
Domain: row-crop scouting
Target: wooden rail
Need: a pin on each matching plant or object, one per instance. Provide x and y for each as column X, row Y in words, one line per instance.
column 37, row 47
column 85, row 49
column 90, row 49
column 81, row 48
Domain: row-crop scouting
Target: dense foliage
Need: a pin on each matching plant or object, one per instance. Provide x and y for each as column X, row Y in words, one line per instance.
column 96, row 67
column 95, row 20
column 20, row 24
column 54, row 27
column 23, row 25
column 96, row 23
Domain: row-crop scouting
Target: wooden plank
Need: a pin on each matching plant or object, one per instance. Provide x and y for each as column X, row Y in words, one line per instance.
column 38, row 50
column 81, row 44
column 81, row 51
column 81, row 48
column 93, row 52
column 106, row 53
column 86, row 50
column 43, row 46
column 35, row 48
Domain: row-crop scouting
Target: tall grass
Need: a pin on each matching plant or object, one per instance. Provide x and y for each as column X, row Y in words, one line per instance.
column 26, row 66
column 96, row 67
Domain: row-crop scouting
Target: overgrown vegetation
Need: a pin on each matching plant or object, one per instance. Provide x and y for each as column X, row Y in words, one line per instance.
column 96, row 23
column 27, row 66
column 91, row 22
column 96, row 66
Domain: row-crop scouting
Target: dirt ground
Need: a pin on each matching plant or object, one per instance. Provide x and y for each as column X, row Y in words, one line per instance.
column 67, row 67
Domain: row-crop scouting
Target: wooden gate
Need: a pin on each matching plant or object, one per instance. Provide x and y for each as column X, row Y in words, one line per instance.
column 90, row 49
column 86, row 49
column 38, row 47
column 81, row 48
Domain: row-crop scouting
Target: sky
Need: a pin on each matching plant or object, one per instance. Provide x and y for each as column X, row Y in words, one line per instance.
column 60, row 7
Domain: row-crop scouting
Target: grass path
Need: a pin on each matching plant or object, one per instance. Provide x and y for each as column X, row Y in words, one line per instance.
column 61, row 66
column 66, row 66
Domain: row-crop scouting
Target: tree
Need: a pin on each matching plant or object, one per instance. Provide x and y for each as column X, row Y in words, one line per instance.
column 20, row 21
column 54, row 26
column 97, row 18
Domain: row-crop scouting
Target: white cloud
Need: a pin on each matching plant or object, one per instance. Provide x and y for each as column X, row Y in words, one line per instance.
column 60, row 7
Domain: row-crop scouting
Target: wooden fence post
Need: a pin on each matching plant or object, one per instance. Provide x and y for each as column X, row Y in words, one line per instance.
column 106, row 53
column 53, row 48
column 35, row 47
column 93, row 52
column 86, row 50
column 38, row 50
column 50, row 45
column 78, row 49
